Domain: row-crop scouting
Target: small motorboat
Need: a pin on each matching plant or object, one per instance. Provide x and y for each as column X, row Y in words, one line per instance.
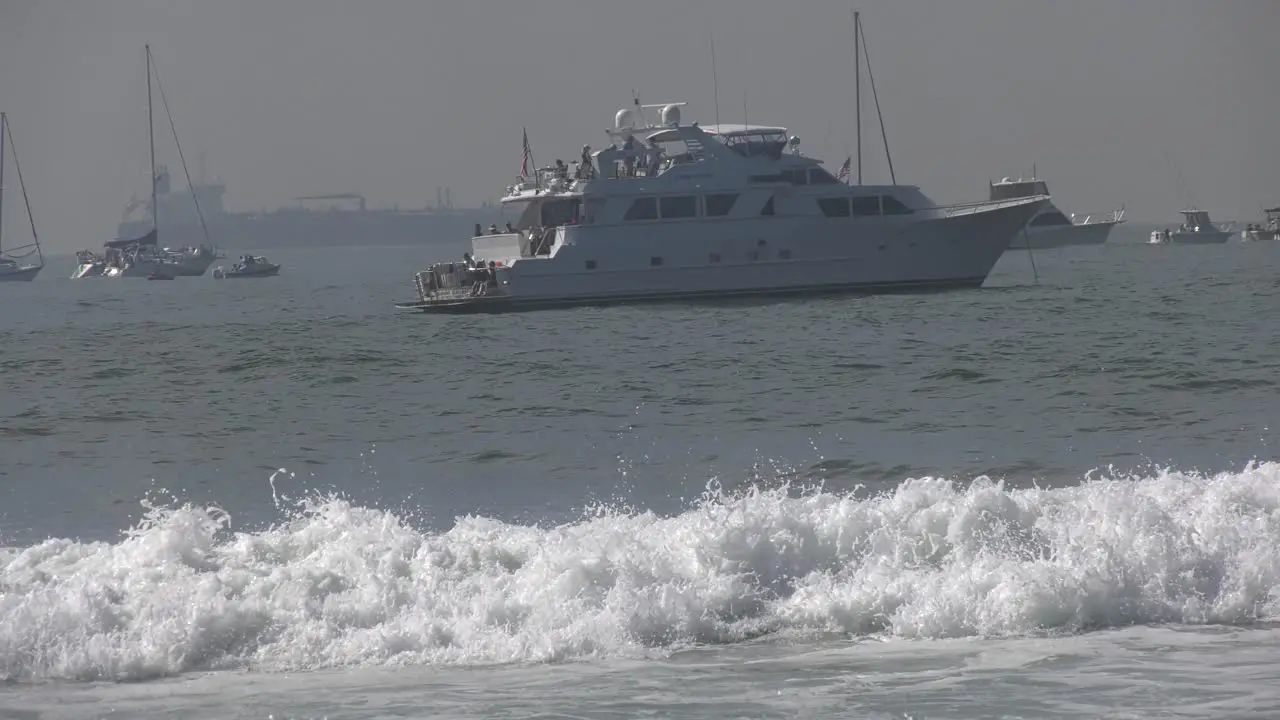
column 250, row 266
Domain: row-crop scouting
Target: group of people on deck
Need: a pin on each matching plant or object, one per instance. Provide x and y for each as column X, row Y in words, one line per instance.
column 480, row 276
column 624, row 160
column 493, row 229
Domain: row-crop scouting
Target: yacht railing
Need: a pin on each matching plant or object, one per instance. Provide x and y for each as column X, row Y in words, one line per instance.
column 450, row 282
column 1113, row 217
column 977, row 206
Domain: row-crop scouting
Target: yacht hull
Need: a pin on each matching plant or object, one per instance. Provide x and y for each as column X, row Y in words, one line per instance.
column 1047, row 238
column 786, row 256
column 88, row 270
column 1200, row 238
column 507, row 304
column 272, row 271
column 22, row 274
column 1259, row 235
column 193, row 266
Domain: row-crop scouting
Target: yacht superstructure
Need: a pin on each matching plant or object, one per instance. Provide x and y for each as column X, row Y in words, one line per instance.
column 1051, row 227
column 677, row 210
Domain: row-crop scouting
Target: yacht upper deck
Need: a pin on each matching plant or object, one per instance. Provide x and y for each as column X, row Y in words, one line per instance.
column 676, row 155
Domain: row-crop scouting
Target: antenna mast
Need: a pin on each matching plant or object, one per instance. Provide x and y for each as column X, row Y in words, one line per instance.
column 4, row 123
column 715, row 86
column 151, row 137
column 857, row 89
column 888, row 158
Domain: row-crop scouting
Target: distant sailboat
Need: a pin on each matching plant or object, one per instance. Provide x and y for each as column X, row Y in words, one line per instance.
column 144, row 256
column 11, row 269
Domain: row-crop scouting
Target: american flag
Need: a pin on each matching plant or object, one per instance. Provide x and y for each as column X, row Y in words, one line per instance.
column 528, row 154
column 844, row 169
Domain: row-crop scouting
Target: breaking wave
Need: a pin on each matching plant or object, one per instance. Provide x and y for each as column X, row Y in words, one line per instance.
column 338, row 585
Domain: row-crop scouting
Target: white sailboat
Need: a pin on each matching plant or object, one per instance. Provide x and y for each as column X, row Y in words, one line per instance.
column 144, row 257
column 12, row 269
column 676, row 211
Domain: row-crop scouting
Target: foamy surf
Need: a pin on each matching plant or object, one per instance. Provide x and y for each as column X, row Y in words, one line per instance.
column 340, row 585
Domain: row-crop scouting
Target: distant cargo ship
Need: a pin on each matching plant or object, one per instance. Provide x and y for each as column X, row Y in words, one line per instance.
column 339, row 220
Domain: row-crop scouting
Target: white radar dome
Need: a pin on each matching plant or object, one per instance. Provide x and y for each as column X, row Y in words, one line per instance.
column 671, row 115
column 624, row 120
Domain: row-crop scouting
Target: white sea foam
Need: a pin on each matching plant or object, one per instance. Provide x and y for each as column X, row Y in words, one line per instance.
column 341, row 585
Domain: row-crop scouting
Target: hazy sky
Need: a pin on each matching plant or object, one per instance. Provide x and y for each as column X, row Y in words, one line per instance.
column 391, row 98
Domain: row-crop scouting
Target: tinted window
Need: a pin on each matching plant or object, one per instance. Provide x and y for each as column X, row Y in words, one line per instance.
column 818, row 176
column 1053, row 217
column 797, row 177
column 645, row 208
column 866, row 205
column 834, row 207
column 768, row 208
column 720, row 205
column 894, row 206
column 766, row 178
column 681, row 206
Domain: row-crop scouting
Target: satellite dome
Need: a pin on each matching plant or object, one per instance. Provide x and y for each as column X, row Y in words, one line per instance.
column 624, row 120
column 671, row 115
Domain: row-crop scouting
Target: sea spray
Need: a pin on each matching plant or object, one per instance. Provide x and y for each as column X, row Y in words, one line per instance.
column 339, row 585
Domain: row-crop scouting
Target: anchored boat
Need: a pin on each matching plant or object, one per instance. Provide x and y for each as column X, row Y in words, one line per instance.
column 677, row 210
column 673, row 211
column 1198, row 229
column 12, row 269
column 250, row 266
column 1052, row 228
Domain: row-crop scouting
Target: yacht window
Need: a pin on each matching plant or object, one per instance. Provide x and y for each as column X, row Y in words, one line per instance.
column 591, row 264
column 866, row 205
column 768, row 207
column 720, row 205
column 1053, row 217
column 894, row 206
column 819, row 176
column 767, row 178
column 680, row 206
column 715, row 257
column 560, row 212
column 767, row 144
column 645, row 208
column 797, row 177
column 655, row 261
column 834, row 206
column 784, row 254
column 1015, row 190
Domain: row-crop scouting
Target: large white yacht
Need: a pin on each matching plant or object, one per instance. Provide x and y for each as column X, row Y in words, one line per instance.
column 676, row 210
column 1052, row 228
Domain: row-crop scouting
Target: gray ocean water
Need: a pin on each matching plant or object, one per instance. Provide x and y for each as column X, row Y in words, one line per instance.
column 1055, row 497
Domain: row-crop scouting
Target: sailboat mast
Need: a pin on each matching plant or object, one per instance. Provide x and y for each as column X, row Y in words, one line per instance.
column 857, row 88
column 4, row 124
column 151, row 137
